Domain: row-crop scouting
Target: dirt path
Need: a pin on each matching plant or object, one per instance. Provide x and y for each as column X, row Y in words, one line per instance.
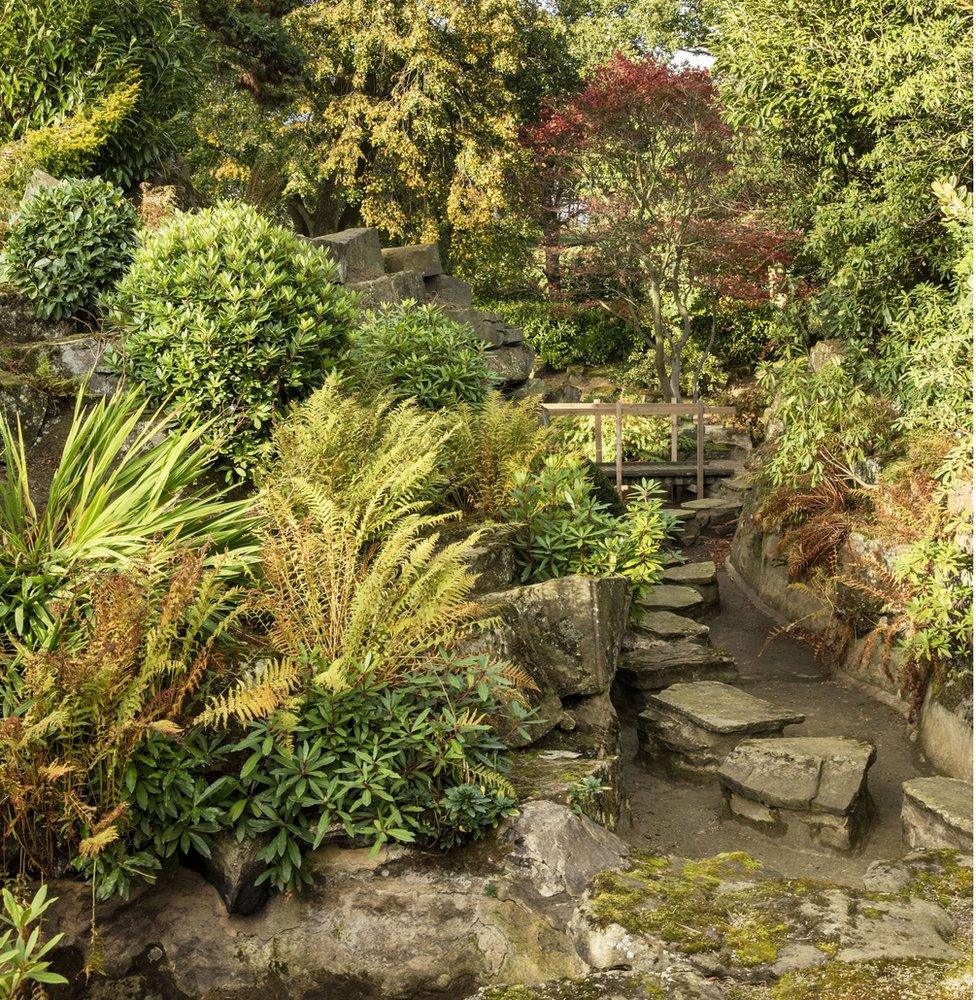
column 687, row 819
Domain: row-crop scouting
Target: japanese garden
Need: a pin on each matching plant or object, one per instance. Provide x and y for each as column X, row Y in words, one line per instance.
column 486, row 500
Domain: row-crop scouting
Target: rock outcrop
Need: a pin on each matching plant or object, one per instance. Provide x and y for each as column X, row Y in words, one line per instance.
column 402, row 924
column 566, row 634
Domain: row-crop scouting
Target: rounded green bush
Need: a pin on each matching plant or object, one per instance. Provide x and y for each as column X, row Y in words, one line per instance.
column 68, row 245
column 230, row 318
column 418, row 352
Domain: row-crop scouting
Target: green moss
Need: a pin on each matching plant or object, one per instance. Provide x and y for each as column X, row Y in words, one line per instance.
column 871, row 912
column 942, row 879
column 511, row 993
column 682, row 907
column 901, row 979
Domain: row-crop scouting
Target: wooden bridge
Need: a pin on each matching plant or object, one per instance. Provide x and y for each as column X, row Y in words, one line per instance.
column 674, row 473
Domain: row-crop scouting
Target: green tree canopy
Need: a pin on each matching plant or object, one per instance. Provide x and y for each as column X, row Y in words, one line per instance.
column 861, row 105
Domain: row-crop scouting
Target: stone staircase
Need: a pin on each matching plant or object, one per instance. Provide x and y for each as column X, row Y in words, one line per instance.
column 693, row 724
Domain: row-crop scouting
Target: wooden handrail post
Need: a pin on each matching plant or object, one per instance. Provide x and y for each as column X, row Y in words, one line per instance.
column 674, row 433
column 620, row 449
column 598, row 433
column 700, row 451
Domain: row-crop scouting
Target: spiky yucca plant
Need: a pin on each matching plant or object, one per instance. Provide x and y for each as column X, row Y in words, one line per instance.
column 150, row 647
column 127, row 480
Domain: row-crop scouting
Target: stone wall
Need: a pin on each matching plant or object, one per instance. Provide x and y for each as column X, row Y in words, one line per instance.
column 945, row 727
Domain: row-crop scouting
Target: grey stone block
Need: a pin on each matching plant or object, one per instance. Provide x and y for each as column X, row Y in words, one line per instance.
column 700, row 576
column 443, row 289
column 424, row 258
column 510, row 365
column 672, row 597
column 693, row 727
column 814, row 787
column 356, row 253
column 652, row 668
column 664, row 625
column 937, row 813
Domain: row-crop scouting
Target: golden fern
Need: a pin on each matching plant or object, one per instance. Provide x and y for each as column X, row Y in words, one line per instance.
column 144, row 650
column 261, row 691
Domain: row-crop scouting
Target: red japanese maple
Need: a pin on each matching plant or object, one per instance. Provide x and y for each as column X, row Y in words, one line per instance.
column 638, row 172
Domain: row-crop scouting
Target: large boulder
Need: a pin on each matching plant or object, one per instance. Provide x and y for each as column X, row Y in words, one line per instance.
column 510, row 365
column 566, row 632
column 401, row 924
column 741, row 924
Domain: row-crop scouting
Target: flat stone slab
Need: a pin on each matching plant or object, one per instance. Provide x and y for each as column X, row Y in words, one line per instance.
column 668, row 625
column 654, row 667
column 811, row 787
column 691, row 574
column 670, row 597
column 711, row 503
column 693, row 727
column 700, row 576
column 721, row 708
column 937, row 813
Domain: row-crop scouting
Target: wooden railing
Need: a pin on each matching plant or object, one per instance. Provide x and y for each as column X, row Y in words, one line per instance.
column 598, row 410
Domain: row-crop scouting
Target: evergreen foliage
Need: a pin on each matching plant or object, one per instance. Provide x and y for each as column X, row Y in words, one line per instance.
column 69, row 245
column 229, row 318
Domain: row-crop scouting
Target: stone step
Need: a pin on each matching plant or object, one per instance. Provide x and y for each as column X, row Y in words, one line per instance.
column 937, row 813
column 591, row 786
column 671, row 597
column 693, row 727
column 652, row 668
column 713, row 516
column 658, row 626
column 700, row 576
column 807, row 788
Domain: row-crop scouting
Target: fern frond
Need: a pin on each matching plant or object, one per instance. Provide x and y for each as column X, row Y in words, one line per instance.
column 256, row 695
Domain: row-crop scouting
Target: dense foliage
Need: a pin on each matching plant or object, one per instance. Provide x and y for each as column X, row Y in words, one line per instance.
column 229, row 317
column 64, row 62
column 567, row 336
column 566, row 528
column 419, row 353
column 128, row 484
column 860, row 108
column 645, row 155
column 68, row 245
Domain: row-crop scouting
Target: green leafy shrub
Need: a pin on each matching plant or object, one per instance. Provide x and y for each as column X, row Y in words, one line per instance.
column 565, row 335
column 127, row 482
column 828, row 424
column 565, row 529
column 68, row 245
column 384, row 784
column 21, row 949
column 61, row 60
column 419, row 353
column 643, row 439
column 230, row 317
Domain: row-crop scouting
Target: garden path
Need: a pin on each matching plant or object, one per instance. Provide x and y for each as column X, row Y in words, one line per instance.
column 687, row 819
